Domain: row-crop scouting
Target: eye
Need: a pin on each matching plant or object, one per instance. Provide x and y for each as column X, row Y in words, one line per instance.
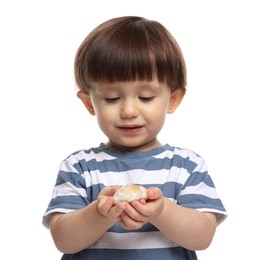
column 111, row 99
column 146, row 99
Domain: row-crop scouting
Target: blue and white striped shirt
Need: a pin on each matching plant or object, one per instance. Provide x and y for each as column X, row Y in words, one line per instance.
column 180, row 174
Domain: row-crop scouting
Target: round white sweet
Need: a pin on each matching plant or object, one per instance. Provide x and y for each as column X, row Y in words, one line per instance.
column 130, row 193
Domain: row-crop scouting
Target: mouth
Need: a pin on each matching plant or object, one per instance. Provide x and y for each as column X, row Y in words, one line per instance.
column 130, row 128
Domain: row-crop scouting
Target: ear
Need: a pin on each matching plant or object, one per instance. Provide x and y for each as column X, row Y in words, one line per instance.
column 175, row 100
column 85, row 98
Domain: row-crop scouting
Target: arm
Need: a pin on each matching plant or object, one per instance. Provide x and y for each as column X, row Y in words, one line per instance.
column 184, row 226
column 77, row 230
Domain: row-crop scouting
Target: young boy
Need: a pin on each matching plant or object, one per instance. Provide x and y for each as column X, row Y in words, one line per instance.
column 130, row 72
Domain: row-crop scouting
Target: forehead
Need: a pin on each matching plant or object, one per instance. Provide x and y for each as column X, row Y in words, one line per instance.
column 101, row 87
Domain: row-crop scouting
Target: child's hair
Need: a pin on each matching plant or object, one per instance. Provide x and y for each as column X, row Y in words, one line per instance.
column 130, row 48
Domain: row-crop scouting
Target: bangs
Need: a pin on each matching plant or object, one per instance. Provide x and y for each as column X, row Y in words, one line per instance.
column 133, row 49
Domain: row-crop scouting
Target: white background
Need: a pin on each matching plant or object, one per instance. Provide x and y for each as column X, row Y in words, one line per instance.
column 42, row 121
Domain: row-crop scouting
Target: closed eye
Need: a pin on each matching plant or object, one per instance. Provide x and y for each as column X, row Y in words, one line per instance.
column 146, row 99
column 112, row 100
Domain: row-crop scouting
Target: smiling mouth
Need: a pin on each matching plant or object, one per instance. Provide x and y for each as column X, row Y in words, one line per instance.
column 131, row 129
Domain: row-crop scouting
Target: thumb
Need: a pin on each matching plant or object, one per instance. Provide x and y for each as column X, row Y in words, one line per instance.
column 109, row 191
column 154, row 193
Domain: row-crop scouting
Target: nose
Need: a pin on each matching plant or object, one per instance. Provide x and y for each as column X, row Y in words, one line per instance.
column 129, row 109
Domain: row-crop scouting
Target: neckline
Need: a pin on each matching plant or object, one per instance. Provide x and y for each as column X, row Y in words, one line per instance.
column 128, row 154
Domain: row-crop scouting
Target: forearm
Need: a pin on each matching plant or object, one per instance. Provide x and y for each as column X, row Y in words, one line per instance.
column 77, row 230
column 186, row 227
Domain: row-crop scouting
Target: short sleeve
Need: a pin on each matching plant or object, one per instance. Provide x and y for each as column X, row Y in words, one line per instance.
column 200, row 193
column 69, row 193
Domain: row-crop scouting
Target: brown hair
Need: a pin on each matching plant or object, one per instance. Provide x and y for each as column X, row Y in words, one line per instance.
column 130, row 48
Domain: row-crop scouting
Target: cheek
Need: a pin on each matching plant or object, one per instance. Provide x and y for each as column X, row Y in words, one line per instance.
column 105, row 117
column 158, row 112
column 157, row 119
column 160, row 118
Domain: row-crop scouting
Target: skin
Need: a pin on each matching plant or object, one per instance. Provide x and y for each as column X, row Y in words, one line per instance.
column 131, row 114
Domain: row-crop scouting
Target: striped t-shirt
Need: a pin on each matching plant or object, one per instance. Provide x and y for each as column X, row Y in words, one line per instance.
column 180, row 174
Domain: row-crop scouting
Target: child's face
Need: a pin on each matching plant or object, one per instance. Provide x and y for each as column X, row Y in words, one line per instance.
column 131, row 114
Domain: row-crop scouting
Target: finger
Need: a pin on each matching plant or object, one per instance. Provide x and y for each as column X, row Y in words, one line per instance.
column 154, row 193
column 133, row 213
column 107, row 208
column 116, row 211
column 104, row 205
column 115, row 188
column 128, row 223
column 106, row 191
column 144, row 209
column 142, row 201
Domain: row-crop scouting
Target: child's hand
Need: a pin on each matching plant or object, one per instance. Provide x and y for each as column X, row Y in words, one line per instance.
column 137, row 213
column 106, row 205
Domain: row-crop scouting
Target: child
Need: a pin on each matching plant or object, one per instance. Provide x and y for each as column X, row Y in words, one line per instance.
column 130, row 72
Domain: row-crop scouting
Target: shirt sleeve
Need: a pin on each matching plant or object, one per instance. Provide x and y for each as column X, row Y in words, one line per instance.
column 69, row 193
column 199, row 192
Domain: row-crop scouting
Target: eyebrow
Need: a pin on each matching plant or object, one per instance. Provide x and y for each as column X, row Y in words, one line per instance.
column 110, row 87
column 139, row 84
column 151, row 86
